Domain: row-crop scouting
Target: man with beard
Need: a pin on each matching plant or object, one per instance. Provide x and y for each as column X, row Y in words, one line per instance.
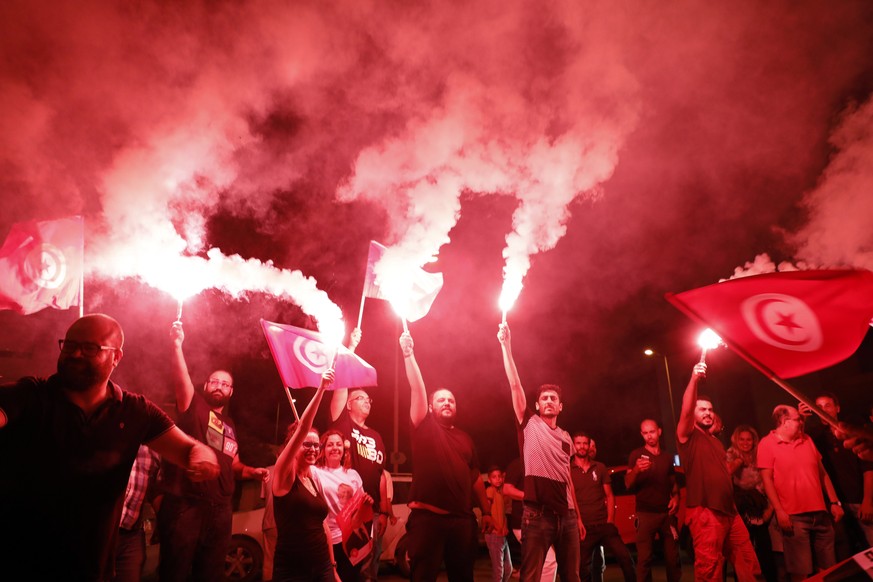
column 445, row 478
column 550, row 517
column 711, row 514
column 67, row 445
column 194, row 521
column 652, row 479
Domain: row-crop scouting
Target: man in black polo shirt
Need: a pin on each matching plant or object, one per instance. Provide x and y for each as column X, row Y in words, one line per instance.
column 445, row 478
column 652, row 479
column 593, row 489
column 195, row 519
column 67, row 445
column 349, row 410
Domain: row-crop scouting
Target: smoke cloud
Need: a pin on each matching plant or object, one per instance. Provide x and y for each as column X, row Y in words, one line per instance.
column 612, row 152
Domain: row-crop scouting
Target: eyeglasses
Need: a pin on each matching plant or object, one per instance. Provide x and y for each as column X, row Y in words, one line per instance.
column 313, row 446
column 363, row 398
column 88, row 349
column 219, row 383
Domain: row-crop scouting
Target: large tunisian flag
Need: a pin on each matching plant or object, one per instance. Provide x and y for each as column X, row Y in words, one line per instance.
column 41, row 265
column 302, row 356
column 792, row 323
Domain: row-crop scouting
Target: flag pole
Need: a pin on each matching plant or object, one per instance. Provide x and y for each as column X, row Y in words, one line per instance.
column 361, row 310
column 82, row 277
column 405, row 326
column 291, row 402
column 737, row 349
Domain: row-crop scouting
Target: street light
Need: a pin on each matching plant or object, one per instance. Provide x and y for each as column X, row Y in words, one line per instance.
column 649, row 352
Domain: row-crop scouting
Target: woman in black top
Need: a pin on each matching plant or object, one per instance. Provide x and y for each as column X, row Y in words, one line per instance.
column 303, row 552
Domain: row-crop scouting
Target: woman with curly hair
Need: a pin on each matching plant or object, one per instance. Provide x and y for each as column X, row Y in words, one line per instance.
column 752, row 503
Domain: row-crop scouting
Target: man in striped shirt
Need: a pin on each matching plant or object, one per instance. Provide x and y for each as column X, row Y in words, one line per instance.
column 130, row 551
column 550, row 517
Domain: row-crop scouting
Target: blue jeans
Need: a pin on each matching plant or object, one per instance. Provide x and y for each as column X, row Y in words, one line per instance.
column 129, row 555
column 541, row 528
column 501, row 562
column 811, row 531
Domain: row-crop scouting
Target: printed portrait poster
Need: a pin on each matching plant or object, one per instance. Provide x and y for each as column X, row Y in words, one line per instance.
column 352, row 521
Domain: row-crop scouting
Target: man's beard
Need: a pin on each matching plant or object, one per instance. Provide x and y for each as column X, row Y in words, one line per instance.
column 445, row 420
column 79, row 375
column 216, row 399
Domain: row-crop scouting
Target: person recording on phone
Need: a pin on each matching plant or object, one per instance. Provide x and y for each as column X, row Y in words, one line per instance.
column 652, row 479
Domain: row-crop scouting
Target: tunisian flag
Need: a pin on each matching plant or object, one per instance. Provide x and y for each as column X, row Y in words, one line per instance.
column 792, row 323
column 41, row 265
column 417, row 299
column 302, row 356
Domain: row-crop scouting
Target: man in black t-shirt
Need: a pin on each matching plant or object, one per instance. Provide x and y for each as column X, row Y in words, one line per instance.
column 712, row 518
column 593, row 489
column 852, row 478
column 652, row 479
column 445, row 478
column 67, row 445
column 195, row 519
column 349, row 410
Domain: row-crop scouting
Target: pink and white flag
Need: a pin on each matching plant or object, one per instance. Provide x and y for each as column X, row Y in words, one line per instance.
column 41, row 265
column 415, row 296
column 302, row 356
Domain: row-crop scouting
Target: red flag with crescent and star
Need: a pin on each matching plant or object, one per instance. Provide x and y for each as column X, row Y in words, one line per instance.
column 792, row 323
column 41, row 265
column 302, row 356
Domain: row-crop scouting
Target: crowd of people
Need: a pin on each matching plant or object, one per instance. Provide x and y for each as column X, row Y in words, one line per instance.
column 81, row 456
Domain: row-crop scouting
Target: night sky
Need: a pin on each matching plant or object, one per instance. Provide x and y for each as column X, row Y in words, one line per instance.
column 621, row 151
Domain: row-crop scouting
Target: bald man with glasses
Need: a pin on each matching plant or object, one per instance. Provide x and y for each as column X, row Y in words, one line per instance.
column 794, row 479
column 67, row 445
column 195, row 519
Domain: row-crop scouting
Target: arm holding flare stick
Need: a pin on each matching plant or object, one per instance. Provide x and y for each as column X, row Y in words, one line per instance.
column 288, row 461
column 519, row 400
column 340, row 396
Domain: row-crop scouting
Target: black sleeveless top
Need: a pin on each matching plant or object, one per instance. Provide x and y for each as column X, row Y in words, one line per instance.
column 301, row 545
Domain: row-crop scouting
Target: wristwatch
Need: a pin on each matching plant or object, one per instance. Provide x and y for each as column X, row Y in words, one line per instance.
column 837, row 503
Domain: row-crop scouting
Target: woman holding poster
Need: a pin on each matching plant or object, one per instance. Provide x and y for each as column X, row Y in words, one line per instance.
column 344, row 493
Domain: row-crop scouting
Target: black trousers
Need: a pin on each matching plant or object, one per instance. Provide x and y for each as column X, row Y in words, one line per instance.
column 433, row 538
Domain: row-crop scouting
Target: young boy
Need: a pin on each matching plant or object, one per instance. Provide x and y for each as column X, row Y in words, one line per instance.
column 498, row 547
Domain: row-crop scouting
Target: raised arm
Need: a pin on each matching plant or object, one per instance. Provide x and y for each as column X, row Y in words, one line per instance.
column 286, row 464
column 180, row 449
column 417, row 390
column 519, row 402
column 182, row 386
column 689, row 403
column 340, row 397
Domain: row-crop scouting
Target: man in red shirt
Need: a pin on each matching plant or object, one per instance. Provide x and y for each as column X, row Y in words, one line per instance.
column 711, row 513
column 793, row 480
